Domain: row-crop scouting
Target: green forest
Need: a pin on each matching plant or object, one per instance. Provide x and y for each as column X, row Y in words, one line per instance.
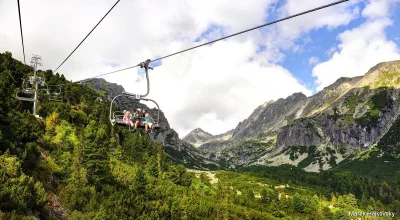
column 69, row 164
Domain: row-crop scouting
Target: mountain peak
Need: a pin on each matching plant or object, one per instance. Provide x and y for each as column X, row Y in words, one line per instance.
column 197, row 137
column 199, row 130
column 297, row 95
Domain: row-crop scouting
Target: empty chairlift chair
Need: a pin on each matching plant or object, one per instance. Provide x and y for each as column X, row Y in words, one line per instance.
column 55, row 93
column 26, row 93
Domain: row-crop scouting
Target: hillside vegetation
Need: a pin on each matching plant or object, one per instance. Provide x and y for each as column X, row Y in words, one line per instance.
column 72, row 164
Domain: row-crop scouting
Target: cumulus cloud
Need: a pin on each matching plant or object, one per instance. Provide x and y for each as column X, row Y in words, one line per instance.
column 360, row 48
column 329, row 17
column 377, row 8
column 283, row 39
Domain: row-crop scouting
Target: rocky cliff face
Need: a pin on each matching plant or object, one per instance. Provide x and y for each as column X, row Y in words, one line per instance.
column 269, row 117
column 180, row 151
column 320, row 131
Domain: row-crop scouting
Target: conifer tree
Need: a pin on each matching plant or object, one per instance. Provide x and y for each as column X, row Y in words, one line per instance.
column 95, row 148
column 152, row 167
column 140, row 182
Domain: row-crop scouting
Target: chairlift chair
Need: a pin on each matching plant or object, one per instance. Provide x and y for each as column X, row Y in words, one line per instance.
column 26, row 91
column 55, row 93
column 116, row 117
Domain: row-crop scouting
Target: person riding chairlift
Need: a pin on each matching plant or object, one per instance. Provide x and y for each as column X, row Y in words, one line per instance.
column 138, row 117
column 148, row 122
column 128, row 118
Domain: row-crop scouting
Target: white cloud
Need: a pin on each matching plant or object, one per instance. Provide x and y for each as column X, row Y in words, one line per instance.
column 281, row 39
column 376, row 9
column 331, row 17
column 313, row 60
column 359, row 48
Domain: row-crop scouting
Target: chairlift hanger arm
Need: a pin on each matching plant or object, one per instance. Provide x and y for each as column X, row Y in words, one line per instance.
column 146, row 67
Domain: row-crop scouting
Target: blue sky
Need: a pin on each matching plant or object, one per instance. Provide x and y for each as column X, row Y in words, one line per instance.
column 321, row 41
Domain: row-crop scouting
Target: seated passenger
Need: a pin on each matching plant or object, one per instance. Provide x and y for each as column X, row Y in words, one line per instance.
column 144, row 112
column 138, row 117
column 128, row 118
column 148, row 122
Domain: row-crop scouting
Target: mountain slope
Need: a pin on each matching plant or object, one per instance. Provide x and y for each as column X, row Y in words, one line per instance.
column 320, row 131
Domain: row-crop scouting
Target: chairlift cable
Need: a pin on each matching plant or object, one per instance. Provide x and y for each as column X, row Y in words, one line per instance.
column 254, row 28
column 87, row 35
column 232, row 35
column 20, row 27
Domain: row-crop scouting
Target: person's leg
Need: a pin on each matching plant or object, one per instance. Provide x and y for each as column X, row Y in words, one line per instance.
column 137, row 123
column 146, row 126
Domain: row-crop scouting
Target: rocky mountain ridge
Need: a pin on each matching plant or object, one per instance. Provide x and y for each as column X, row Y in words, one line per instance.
column 316, row 132
column 199, row 137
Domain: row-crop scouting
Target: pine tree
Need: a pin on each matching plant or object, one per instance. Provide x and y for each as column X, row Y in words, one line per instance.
column 152, row 167
column 298, row 203
column 205, row 179
column 95, row 155
column 140, row 182
column 266, row 197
